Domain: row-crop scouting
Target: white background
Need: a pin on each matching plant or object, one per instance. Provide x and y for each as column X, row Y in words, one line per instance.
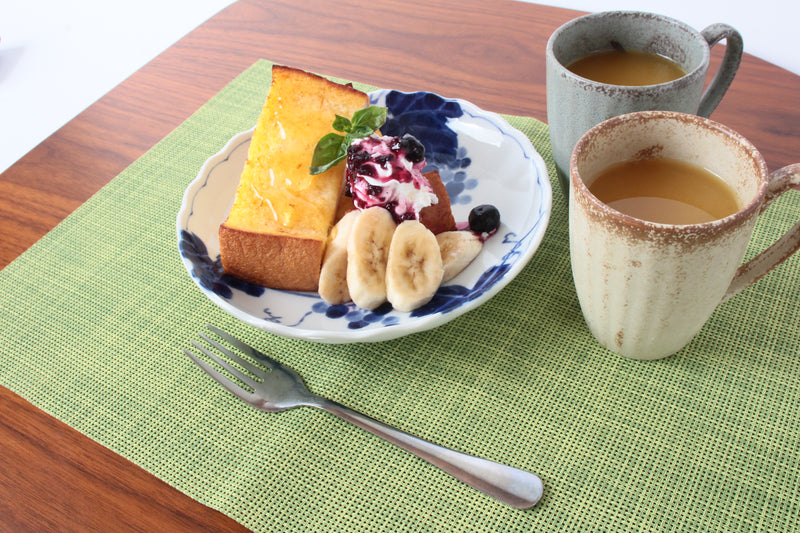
column 57, row 57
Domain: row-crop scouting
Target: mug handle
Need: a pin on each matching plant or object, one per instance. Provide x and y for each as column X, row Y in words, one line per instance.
column 780, row 181
column 727, row 69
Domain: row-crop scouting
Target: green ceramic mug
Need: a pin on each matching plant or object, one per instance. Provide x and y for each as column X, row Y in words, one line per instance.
column 575, row 104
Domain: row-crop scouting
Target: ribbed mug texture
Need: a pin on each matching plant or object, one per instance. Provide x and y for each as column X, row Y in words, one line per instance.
column 645, row 288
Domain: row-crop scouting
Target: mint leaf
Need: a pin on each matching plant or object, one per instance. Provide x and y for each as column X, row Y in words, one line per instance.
column 329, row 150
column 359, row 132
column 371, row 117
column 342, row 124
column 332, row 147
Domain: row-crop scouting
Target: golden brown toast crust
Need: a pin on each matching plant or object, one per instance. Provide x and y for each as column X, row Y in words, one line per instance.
column 276, row 231
column 277, row 261
column 439, row 216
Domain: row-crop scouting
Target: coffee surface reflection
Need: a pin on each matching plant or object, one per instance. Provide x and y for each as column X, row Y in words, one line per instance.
column 667, row 191
column 627, row 67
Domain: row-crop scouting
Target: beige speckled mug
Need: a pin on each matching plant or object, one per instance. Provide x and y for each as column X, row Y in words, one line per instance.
column 646, row 288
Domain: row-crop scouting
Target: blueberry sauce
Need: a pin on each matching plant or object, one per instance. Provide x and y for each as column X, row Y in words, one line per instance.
column 387, row 171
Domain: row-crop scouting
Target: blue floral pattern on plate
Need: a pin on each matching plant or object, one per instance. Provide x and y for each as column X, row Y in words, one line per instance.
column 425, row 116
column 480, row 158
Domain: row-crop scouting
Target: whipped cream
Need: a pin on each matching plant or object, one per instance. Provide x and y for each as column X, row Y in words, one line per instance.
column 386, row 171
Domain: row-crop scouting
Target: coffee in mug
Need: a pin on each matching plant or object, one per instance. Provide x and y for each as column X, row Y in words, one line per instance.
column 575, row 102
column 668, row 191
column 618, row 66
column 647, row 288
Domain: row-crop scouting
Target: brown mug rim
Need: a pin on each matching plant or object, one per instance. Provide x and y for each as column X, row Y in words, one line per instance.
column 742, row 213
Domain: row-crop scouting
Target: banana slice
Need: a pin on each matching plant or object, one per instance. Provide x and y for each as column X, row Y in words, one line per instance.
column 367, row 254
column 414, row 270
column 459, row 249
column 333, row 274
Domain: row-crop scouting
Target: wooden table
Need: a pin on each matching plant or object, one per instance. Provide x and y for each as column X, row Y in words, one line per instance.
column 491, row 53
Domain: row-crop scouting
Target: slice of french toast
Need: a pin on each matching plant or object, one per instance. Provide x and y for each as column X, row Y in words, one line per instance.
column 276, row 231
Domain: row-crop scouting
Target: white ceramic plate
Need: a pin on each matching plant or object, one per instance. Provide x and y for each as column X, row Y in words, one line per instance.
column 482, row 160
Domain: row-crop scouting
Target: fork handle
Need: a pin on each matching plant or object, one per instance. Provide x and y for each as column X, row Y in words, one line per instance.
column 512, row 486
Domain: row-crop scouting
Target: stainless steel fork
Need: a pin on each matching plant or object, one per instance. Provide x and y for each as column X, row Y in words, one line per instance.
column 275, row 387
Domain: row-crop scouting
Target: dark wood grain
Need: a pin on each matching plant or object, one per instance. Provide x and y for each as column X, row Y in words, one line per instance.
column 492, row 53
column 52, row 478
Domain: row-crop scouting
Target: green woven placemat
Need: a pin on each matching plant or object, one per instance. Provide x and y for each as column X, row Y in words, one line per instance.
column 96, row 315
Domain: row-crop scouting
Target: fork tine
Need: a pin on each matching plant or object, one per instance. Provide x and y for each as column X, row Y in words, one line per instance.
column 246, row 348
column 223, row 380
column 247, row 380
column 250, row 367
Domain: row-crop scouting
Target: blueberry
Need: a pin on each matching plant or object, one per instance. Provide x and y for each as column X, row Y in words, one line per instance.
column 383, row 159
column 484, row 219
column 366, row 170
column 415, row 151
column 356, row 155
